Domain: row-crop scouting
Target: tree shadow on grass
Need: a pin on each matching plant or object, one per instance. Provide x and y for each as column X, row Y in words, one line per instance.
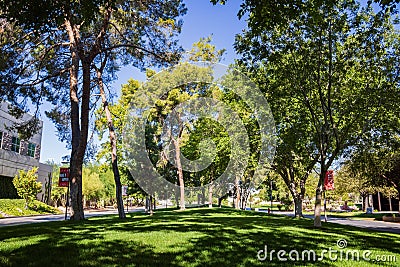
column 196, row 237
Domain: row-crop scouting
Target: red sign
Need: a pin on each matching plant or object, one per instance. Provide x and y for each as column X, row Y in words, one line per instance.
column 328, row 182
column 63, row 180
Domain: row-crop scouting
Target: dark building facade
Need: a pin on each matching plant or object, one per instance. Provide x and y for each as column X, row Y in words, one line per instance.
column 17, row 154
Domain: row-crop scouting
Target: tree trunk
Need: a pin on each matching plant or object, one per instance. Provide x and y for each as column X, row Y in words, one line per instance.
column 210, row 195
column 399, row 200
column 113, row 144
column 118, row 190
column 220, row 201
column 390, row 204
column 76, row 159
column 379, row 202
column 247, row 198
column 237, row 203
column 366, row 202
column 77, row 213
column 150, row 205
column 372, row 201
column 210, row 188
column 298, row 206
column 297, row 197
column 317, row 211
column 203, row 195
column 176, row 195
column 241, row 199
column 79, row 133
column 362, row 202
column 80, row 128
column 180, row 173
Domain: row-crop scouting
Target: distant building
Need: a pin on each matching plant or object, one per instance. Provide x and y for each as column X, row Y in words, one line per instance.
column 16, row 154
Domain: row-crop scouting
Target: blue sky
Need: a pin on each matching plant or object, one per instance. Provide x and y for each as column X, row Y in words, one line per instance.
column 202, row 19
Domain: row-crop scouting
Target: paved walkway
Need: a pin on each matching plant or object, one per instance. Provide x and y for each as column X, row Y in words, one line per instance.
column 59, row 217
column 367, row 224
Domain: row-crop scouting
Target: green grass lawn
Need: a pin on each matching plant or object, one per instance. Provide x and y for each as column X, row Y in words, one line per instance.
column 16, row 207
column 195, row 237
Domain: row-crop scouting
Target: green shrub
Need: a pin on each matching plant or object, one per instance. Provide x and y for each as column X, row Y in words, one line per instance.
column 27, row 185
column 16, row 207
column 42, row 207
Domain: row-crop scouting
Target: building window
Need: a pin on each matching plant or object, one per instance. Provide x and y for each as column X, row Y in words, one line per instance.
column 15, row 145
column 31, row 150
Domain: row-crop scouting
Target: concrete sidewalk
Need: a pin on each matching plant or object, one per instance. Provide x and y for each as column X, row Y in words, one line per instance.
column 366, row 224
column 58, row 217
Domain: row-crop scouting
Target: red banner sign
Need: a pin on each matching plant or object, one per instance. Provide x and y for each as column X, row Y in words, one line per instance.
column 63, row 180
column 328, row 182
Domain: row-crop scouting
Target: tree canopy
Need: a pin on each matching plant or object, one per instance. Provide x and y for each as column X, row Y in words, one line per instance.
column 327, row 68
